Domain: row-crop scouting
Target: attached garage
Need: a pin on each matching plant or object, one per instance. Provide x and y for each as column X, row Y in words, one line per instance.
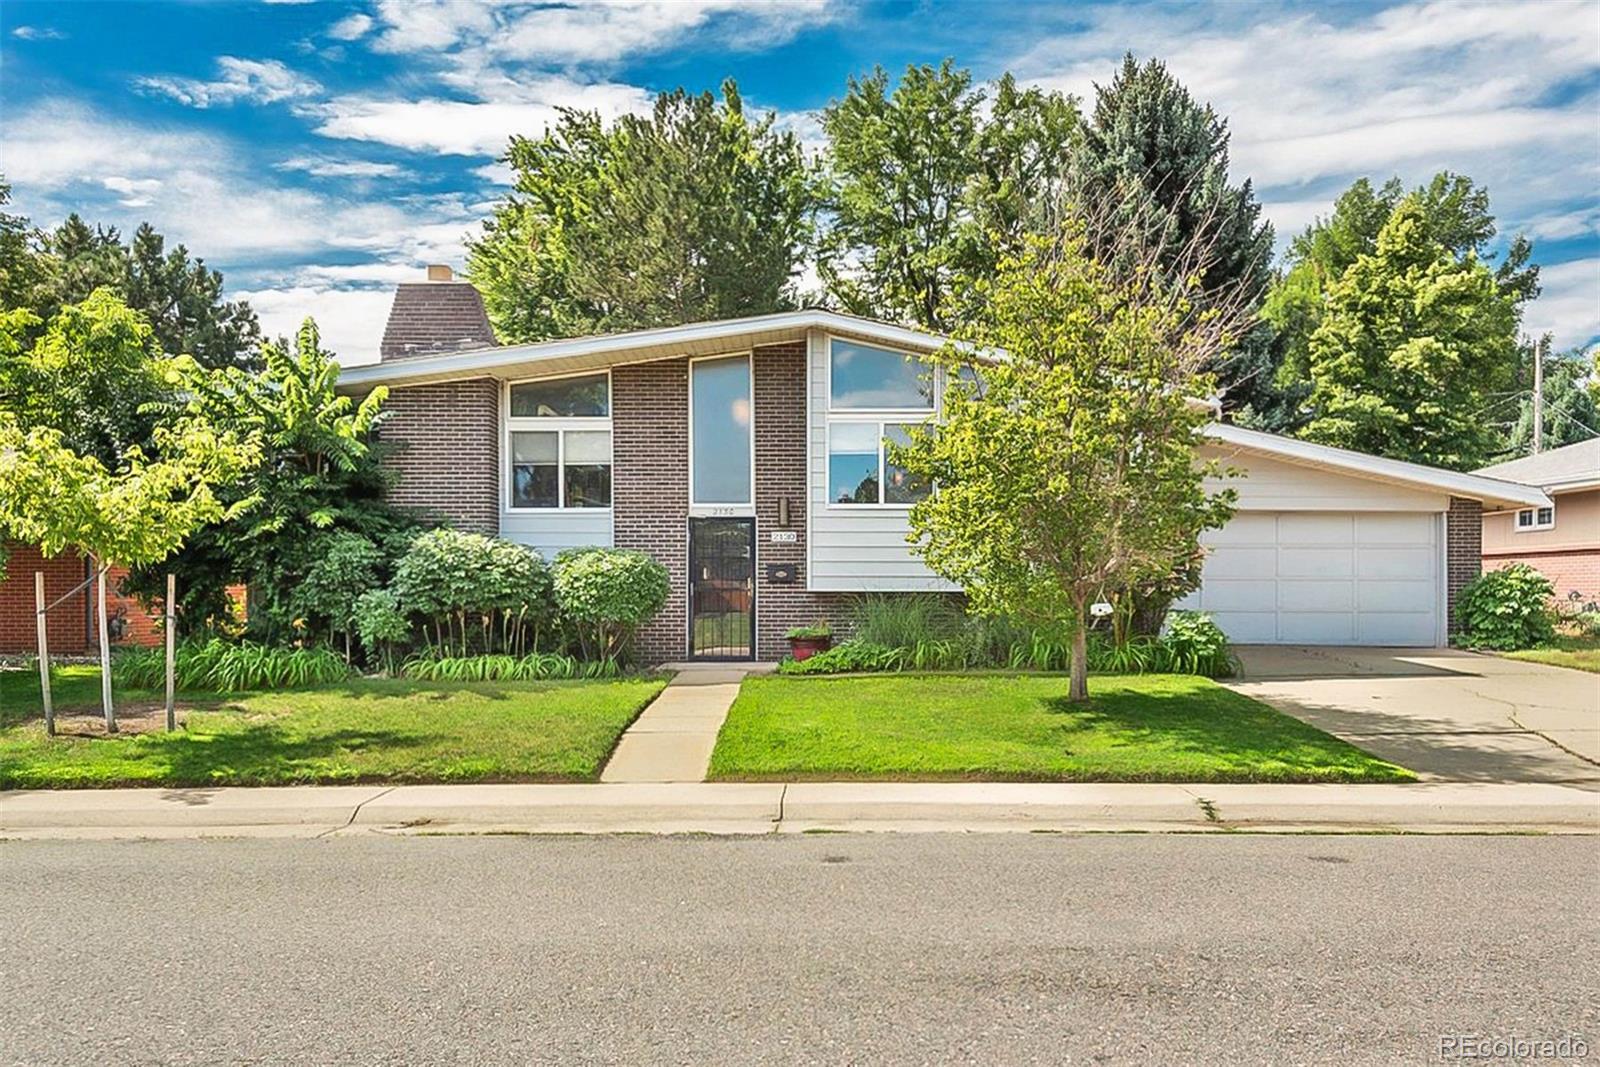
column 1331, row 547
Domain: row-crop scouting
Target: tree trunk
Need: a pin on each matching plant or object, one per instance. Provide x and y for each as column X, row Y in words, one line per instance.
column 105, row 649
column 1078, row 691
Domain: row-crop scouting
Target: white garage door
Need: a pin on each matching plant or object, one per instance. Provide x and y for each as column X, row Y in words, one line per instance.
column 1324, row 578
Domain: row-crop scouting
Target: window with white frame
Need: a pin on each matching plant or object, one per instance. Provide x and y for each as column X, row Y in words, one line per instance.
column 871, row 393
column 559, row 443
column 1530, row 519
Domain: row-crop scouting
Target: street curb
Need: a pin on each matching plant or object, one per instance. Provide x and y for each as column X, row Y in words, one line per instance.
column 765, row 808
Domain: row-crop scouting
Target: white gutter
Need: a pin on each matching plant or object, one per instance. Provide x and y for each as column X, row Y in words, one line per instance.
column 1476, row 486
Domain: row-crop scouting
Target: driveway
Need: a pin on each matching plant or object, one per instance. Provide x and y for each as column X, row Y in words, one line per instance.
column 1448, row 715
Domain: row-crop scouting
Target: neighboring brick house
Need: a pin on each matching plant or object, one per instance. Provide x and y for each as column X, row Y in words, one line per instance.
column 1562, row 540
column 71, row 630
column 748, row 456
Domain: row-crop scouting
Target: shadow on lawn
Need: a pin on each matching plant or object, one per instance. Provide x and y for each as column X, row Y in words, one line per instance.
column 1220, row 726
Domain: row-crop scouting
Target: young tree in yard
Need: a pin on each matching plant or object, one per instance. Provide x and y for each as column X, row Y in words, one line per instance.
column 1065, row 467
column 925, row 189
column 1151, row 151
column 1412, row 344
column 138, row 513
column 694, row 212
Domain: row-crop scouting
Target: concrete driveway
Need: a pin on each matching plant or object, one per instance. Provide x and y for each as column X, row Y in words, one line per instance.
column 1448, row 715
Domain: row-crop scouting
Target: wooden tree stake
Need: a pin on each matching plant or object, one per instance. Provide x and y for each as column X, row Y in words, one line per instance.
column 105, row 649
column 172, row 631
column 44, row 655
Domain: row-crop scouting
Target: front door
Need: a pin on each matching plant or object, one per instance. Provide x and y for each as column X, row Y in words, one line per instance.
column 722, row 588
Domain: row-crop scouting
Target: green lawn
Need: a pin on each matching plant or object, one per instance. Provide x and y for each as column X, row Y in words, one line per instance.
column 1580, row 653
column 364, row 730
column 1019, row 728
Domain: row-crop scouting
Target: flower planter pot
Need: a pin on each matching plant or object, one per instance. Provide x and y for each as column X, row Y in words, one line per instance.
column 803, row 648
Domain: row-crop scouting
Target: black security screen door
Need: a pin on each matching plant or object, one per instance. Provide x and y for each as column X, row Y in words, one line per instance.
column 722, row 588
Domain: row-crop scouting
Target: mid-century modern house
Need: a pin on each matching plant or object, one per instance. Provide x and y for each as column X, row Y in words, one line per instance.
column 1561, row 539
column 747, row 456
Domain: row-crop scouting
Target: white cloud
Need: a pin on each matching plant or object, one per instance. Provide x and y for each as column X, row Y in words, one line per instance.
column 473, row 127
column 135, row 192
column 323, row 167
column 37, row 33
column 257, row 81
column 351, row 27
column 350, row 320
column 1569, row 303
column 497, row 173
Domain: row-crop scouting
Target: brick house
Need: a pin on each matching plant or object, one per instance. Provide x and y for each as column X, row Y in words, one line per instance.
column 748, row 456
column 71, row 629
column 1561, row 540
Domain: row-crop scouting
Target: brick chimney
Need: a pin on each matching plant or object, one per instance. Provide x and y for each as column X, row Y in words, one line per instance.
column 438, row 315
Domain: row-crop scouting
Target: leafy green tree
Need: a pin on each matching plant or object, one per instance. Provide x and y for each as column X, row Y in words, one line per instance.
column 1411, row 345
column 181, row 298
column 1150, row 152
column 348, row 566
column 319, row 477
column 694, row 212
column 1067, row 471
column 925, row 188
column 1455, row 214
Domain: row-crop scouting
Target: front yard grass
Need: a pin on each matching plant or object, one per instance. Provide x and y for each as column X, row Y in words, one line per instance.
column 999, row 727
column 1567, row 650
column 362, row 730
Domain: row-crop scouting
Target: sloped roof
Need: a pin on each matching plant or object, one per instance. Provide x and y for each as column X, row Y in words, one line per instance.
column 1572, row 467
column 432, row 317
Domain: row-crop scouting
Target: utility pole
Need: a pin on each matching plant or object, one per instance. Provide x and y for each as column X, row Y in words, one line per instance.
column 1538, row 396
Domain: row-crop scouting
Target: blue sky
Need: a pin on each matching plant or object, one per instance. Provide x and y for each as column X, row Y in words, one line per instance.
column 320, row 152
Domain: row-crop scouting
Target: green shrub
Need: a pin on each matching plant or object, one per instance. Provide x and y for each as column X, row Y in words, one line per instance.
column 475, row 591
column 1193, row 644
column 849, row 657
column 535, row 666
column 1587, row 623
column 381, row 626
column 224, row 667
column 1506, row 609
column 607, row 594
column 816, row 631
column 901, row 620
column 347, row 565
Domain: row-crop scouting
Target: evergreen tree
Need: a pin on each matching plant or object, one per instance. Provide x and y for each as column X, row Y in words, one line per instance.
column 1150, row 149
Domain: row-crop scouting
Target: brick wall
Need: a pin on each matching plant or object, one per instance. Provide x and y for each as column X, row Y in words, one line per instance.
column 70, row 630
column 1569, row 570
column 1464, row 548
column 446, row 438
column 650, row 487
column 780, row 414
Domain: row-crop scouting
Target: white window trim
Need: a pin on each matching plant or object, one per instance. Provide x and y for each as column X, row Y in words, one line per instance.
column 881, row 416
column 1536, row 526
column 723, row 509
column 559, row 425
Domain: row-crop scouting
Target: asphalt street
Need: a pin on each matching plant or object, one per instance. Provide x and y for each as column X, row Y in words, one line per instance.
column 991, row 948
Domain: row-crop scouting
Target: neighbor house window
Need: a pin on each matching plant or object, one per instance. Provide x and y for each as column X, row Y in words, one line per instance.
column 1529, row 519
column 870, row 392
column 559, row 443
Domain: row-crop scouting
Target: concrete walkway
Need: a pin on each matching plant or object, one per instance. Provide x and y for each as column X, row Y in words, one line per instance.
column 1448, row 715
column 671, row 741
column 764, row 808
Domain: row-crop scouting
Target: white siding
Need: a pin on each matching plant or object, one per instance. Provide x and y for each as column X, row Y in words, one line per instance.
column 1274, row 485
column 550, row 532
column 857, row 550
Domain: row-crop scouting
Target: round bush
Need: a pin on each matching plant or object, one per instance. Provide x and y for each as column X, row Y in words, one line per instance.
column 608, row 593
column 1506, row 609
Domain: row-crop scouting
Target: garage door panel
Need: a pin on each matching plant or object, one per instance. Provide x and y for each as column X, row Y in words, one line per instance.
column 1316, row 562
column 1242, row 562
column 1237, row 594
column 1316, row 627
column 1248, row 627
column 1316, row 528
column 1298, row 594
column 1386, row 528
column 1394, row 595
column 1396, row 628
column 1324, row 578
column 1397, row 562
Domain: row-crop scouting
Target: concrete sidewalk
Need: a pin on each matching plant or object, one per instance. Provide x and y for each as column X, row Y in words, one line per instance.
column 759, row 808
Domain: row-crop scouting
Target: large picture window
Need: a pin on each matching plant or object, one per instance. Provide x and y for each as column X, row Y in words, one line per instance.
column 559, row 443
column 865, row 378
column 860, row 470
